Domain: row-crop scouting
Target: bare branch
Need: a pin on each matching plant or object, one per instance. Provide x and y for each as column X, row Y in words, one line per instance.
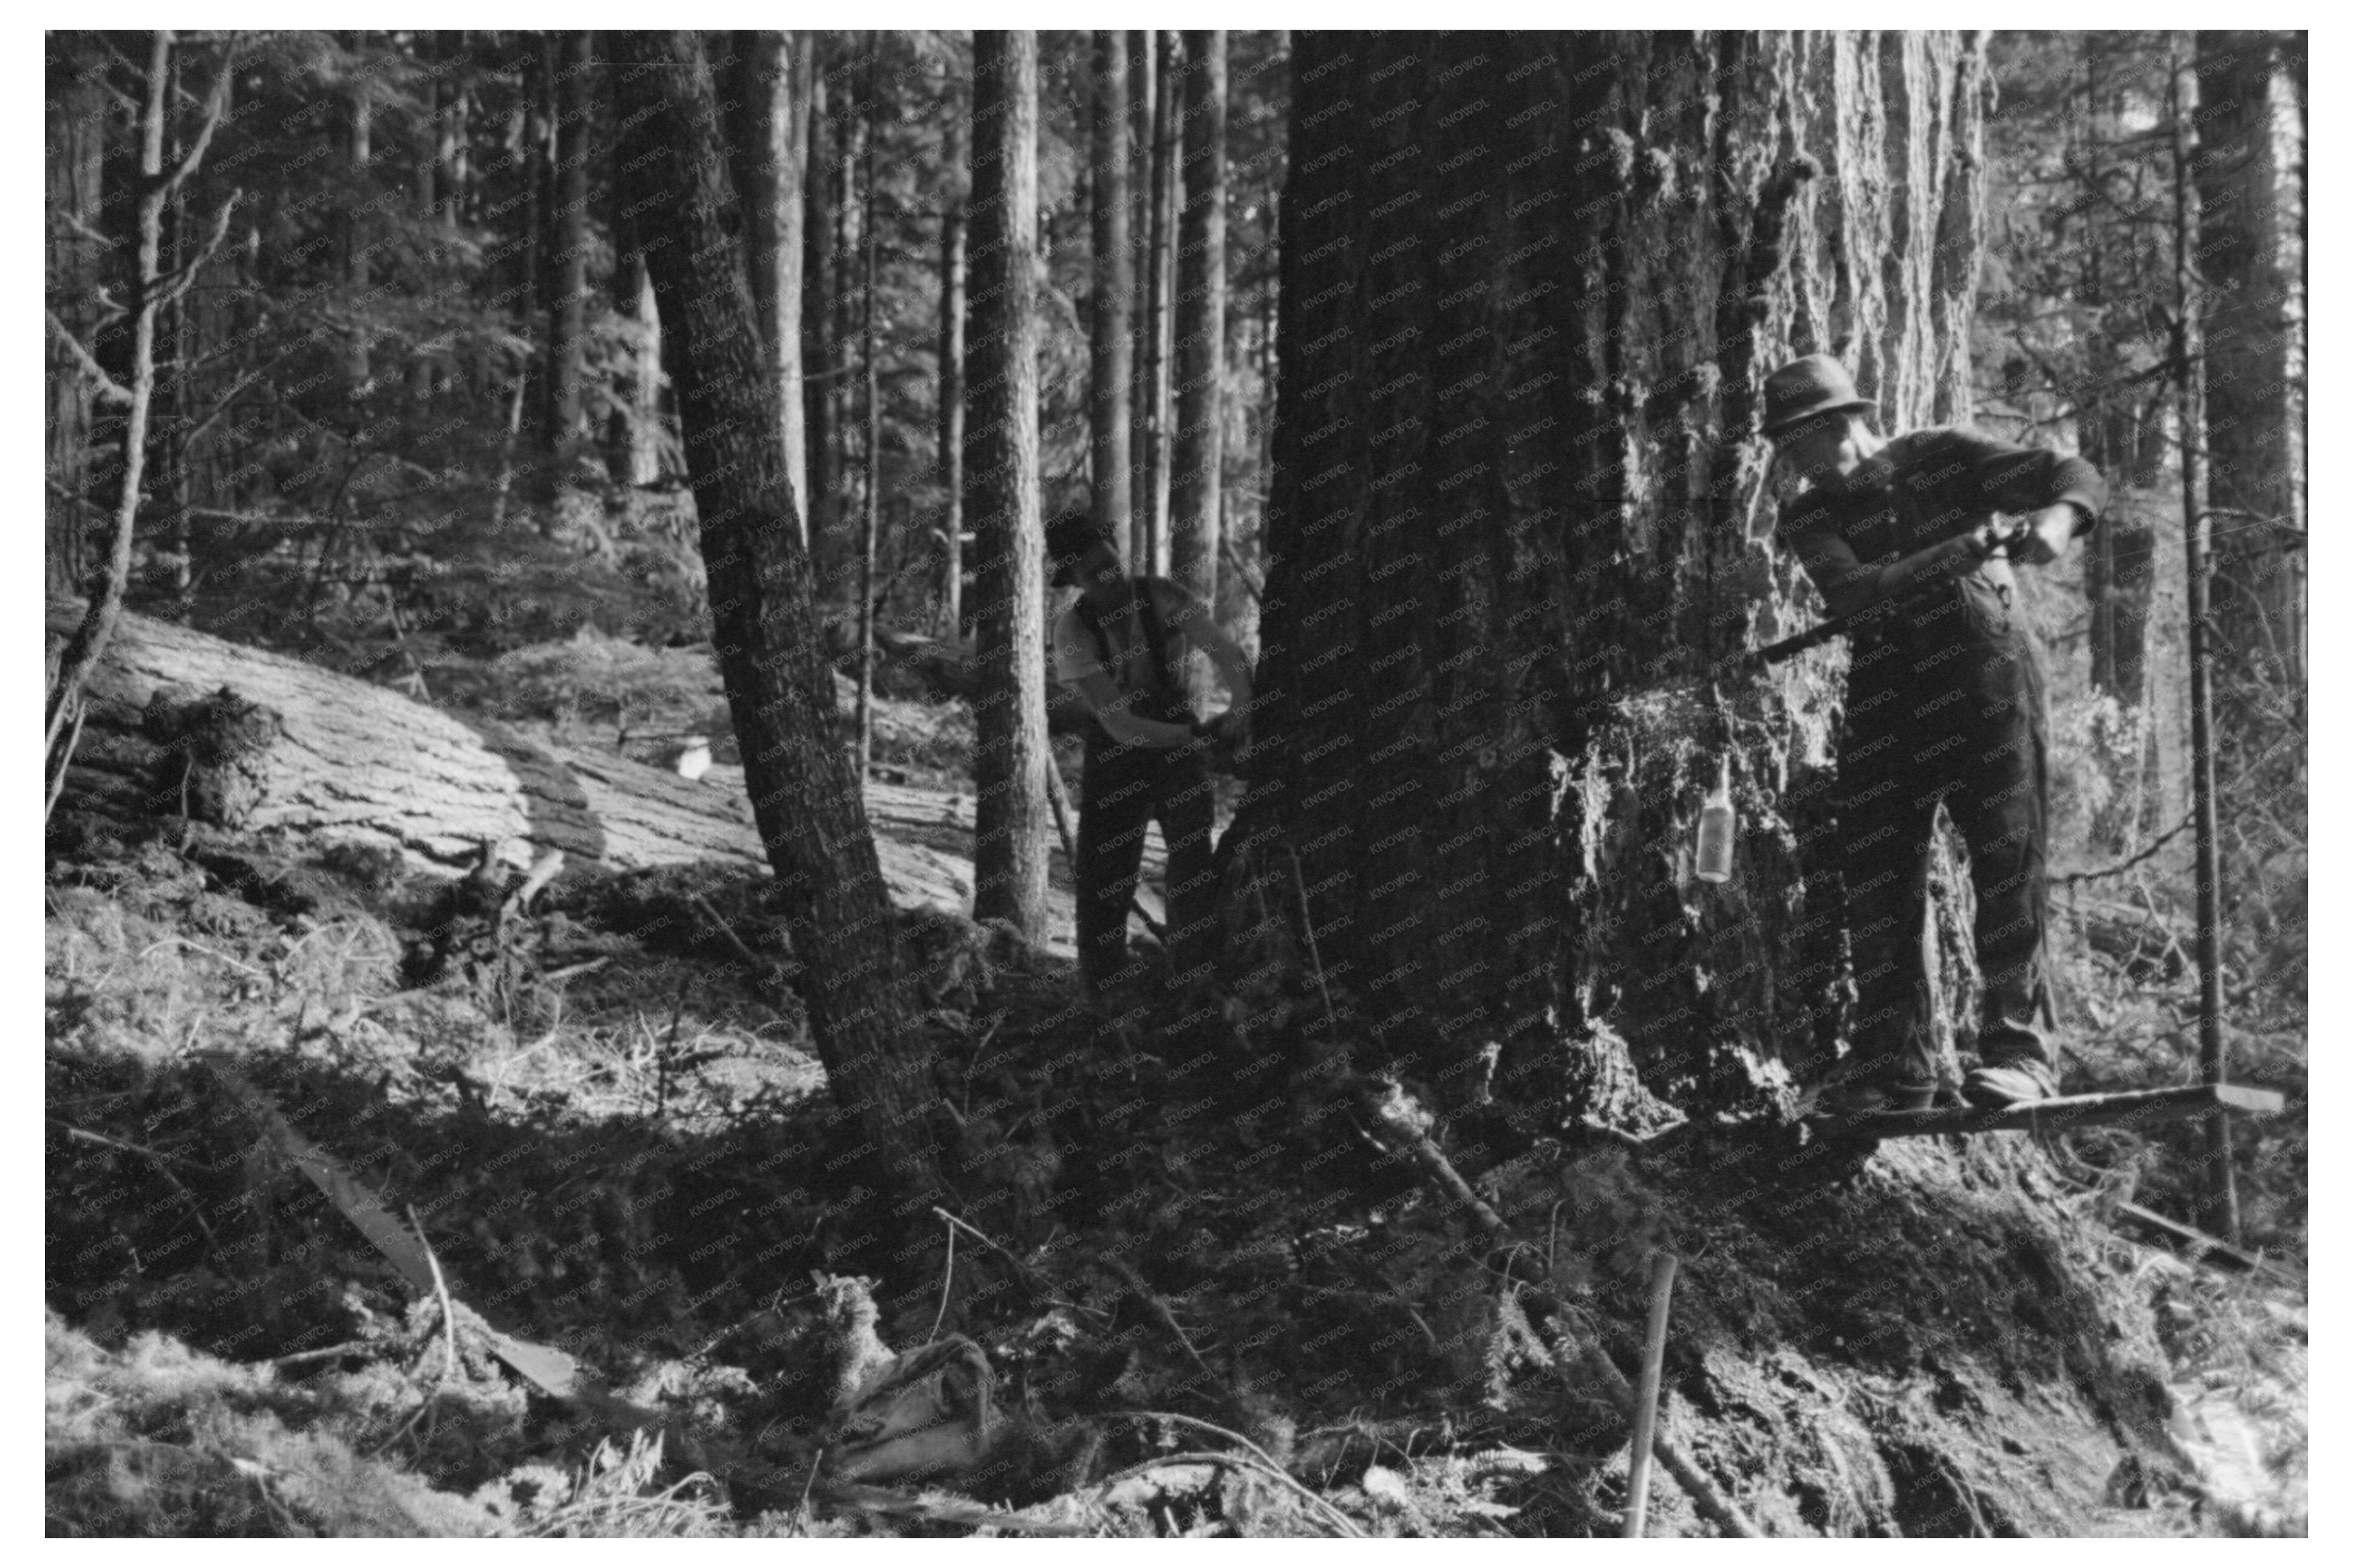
column 111, row 390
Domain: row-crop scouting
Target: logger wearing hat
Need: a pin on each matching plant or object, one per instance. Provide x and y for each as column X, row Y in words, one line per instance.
column 1122, row 644
column 1944, row 701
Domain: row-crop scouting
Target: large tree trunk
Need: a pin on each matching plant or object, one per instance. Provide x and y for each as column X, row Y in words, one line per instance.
column 2252, row 321
column 1111, row 362
column 1197, row 483
column 1001, row 476
column 805, row 793
column 1530, row 299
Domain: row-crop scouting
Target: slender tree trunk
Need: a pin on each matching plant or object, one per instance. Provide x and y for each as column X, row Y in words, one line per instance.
column 358, row 235
column 78, row 108
column 2189, row 360
column 766, row 93
column 1160, row 291
column 849, row 127
column 822, row 454
column 805, row 793
column 1516, row 432
column 2253, row 313
column 1011, row 825
column 147, row 295
column 568, row 310
column 173, row 329
column 951, row 391
column 1144, row 124
column 432, row 52
column 1197, row 485
column 869, row 521
column 632, row 433
column 1111, row 364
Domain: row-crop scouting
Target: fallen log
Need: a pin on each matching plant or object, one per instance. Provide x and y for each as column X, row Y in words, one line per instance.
column 339, row 759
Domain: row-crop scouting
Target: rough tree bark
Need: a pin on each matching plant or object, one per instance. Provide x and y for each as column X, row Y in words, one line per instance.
column 803, row 790
column 1530, row 295
column 2252, row 319
column 1111, row 362
column 361, row 764
column 1197, row 478
column 1001, row 487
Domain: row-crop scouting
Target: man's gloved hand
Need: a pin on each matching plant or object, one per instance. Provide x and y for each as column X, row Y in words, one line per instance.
column 1996, row 535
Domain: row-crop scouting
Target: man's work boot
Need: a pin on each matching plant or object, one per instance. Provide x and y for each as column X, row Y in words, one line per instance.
column 1999, row 1085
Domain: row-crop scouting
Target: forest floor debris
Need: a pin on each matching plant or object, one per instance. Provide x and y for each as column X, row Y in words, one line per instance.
column 1208, row 1302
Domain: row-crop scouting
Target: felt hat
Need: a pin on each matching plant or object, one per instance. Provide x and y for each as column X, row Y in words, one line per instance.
column 1069, row 536
column 1805, row 387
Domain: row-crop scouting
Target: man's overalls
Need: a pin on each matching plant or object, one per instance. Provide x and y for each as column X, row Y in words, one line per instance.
column 1944, row 701
column 1127, row 786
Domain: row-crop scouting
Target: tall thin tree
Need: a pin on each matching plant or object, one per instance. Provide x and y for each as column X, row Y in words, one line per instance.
column 871, row 383
column 1196, row 488
column 1001, row 481
column 1111, row 363
column 1144, row 84
column 951, row 396
column 2190, row 366
column 567, row 337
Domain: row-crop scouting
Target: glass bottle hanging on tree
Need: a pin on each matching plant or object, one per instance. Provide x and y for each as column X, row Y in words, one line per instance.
column 1716, row 825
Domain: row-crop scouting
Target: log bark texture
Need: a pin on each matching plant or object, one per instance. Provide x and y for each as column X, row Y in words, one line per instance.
column 366, row 764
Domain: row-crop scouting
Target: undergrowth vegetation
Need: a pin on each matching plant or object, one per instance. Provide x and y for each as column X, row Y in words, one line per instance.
column 1201, row 1300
